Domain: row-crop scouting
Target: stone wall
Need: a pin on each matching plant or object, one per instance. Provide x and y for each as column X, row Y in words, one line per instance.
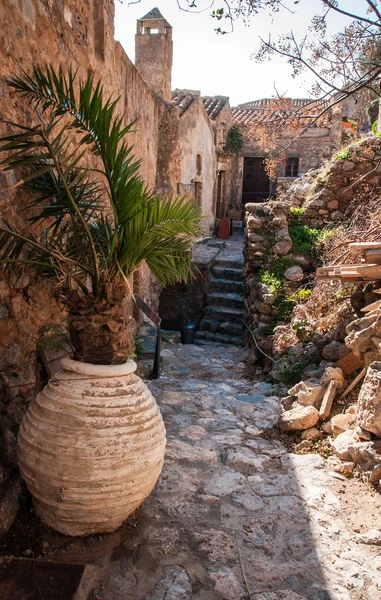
column 196, row 138
column 62, row 33
column 330, row 193
column 168, row 173
column 267, row 239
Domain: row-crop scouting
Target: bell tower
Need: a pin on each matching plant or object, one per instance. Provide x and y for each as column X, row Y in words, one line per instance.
column 153, row 53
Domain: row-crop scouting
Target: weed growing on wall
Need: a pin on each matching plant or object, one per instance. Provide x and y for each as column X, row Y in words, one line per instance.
column 234, row 141
column 303, row 237
column 342, row 154
column 139, row 348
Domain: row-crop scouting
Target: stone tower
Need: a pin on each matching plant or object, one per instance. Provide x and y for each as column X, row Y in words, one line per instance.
column 153, row 52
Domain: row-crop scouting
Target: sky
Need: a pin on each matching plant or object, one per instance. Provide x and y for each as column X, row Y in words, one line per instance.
column 221, row 64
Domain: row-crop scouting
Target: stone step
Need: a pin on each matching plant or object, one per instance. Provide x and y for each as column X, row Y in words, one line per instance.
column 225, row 299
column 229, row 263
column 209, row 336
column 224, row 313
column 225, row 327
column 226, row 285
column 228, row 273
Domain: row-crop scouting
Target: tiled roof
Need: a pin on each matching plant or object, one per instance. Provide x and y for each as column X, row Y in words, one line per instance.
column 293, row 103
column 183, row 99
column 152, row 14
column 261, row 111
column 214, row 104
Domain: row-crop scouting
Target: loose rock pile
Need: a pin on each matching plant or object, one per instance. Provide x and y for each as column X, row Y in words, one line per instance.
column 355, row 434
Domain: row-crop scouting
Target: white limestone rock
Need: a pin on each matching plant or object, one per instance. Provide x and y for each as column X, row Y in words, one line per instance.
column 372, row 537
column 341, row 423
column 331, row 373
column 299, row 418
column 309, row 393
column 369, row 400
column 342, row 444
column 311, row 434
column 367, row 455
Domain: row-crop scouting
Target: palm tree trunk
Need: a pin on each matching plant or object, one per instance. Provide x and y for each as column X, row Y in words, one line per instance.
column 99, row 331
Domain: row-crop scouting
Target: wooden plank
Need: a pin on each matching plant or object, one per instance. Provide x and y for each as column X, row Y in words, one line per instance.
column 371, row 307
column 322, row 270
column 29, row 579
column 349, row 363
column 355, row 247
column 328, row 398
column 350, row 387
column 373, row 256
column 373, row 271
column 378, row 292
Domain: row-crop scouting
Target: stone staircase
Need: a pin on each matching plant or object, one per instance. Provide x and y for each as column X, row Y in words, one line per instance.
column 222, row 322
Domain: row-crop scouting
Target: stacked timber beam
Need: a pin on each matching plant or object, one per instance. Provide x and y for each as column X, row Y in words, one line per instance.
column 368, row 269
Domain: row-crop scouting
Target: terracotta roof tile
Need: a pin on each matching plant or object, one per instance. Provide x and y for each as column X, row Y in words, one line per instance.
column 263, row 111
column 214, row 104
column 183, row 99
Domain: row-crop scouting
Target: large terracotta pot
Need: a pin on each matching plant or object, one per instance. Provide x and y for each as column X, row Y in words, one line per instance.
column 91, row 447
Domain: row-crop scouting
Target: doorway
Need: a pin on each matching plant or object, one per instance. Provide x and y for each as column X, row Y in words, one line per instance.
column 220, row 206
column 256, row 182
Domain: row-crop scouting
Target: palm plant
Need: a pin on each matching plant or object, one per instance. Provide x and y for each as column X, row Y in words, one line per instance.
column 92, row 227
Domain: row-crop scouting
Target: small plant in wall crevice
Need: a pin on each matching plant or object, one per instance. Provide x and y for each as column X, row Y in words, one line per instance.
column 234, row 141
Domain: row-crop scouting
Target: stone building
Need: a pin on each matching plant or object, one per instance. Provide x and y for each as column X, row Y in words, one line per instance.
column 252, row 184
column 221, row 120
column 192, row 129
column 197, row 153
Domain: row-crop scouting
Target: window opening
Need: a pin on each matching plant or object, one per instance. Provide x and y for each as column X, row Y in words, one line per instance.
column 198, row 193
column 198, row 164
column 292, row 167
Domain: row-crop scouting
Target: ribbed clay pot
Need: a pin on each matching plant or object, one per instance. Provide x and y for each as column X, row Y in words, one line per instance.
column 91, row 447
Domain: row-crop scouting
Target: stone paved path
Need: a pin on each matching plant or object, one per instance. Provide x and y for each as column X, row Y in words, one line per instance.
column 230, row 501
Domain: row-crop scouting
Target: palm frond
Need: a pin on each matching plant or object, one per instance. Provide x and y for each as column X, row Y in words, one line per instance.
column 69, row 196
column 161, row 233
column 18, row 249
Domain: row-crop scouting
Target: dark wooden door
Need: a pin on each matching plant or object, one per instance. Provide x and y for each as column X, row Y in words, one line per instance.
column 256, row 182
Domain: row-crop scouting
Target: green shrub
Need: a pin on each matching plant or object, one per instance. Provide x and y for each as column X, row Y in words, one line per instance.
column 300, row 325
column 303, row 237
column 291, row 371
column 280, row 264
column 273, row 281
column 139, row 348
column 343, row 154
column 296, row 212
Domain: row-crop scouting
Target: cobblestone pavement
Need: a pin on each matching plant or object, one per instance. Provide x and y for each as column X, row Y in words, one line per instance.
column 233, row 515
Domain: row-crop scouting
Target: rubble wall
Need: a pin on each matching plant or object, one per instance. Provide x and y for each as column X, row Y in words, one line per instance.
column 330, row 193
column 80, row 34
column 324, row 196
